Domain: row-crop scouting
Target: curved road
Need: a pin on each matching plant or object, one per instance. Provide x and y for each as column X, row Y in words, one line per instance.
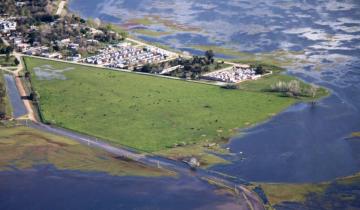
column 247, row 198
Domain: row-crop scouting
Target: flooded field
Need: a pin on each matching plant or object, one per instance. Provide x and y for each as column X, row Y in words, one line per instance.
column 48, row 169
column 316, row 41
column 48, row 72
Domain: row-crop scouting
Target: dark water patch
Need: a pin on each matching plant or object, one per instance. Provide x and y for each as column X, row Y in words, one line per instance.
column 50, row 188
column 295, row 146
column 109, row 18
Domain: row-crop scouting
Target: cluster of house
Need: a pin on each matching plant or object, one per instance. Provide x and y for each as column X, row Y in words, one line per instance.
column 124, row 55
column 7, row 26
column 37, row 50
column 235, row 74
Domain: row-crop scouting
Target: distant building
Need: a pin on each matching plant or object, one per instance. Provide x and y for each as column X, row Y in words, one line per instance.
column 75, row 58
column 52, row 55
column 7, row 26
column 73, row 46
column 21, row 3
column 92, row 41
column 94, row 31
column 22, row 47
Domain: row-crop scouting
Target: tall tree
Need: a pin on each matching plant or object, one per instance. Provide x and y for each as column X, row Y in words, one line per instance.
column 209, row 54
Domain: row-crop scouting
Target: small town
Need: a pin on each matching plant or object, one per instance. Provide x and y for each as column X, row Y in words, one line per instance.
column 125, row 56
column 71, row 38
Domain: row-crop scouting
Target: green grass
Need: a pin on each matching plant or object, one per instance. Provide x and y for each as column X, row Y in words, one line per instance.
column 148, row 113
column 342, row 193
column 206, row 156
column 265, row 83
column 146, row 21
column 278, row 193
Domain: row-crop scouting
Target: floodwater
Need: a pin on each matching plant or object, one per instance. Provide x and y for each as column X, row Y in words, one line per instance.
column 45, row 187
column 15, row 99
column 305, row 143
column 48, row 72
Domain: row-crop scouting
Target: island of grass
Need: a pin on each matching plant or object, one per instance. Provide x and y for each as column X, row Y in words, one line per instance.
column 341, row 193
column 148, row 113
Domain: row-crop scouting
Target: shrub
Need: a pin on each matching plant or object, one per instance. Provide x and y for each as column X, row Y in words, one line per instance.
column 290, row 89
column 231, row 86
column 280, row 86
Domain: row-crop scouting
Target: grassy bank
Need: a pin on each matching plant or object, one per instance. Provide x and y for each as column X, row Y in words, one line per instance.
column 24, row 148
column 342, row 193
column 148, row 113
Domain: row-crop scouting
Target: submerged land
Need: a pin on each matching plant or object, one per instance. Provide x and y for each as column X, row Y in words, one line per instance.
column 168, row 116
column 342, row 193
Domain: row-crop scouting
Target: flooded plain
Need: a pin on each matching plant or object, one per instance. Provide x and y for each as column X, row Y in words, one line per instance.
column 317, row 41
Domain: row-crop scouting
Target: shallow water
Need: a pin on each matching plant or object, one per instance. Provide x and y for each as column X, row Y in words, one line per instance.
column 305, row 143
column 48, row 72
column 48, row 188
column 17, row 105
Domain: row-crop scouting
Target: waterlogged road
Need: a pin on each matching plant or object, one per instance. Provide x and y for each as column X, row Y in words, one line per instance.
column 247, row 199
column 15, row 98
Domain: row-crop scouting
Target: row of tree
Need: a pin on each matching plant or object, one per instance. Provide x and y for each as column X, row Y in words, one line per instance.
column 192, row 68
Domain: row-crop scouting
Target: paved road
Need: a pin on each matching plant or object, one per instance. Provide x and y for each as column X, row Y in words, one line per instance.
column 61, row 7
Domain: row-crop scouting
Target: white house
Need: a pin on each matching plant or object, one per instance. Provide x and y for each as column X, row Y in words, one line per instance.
column 7, row 26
